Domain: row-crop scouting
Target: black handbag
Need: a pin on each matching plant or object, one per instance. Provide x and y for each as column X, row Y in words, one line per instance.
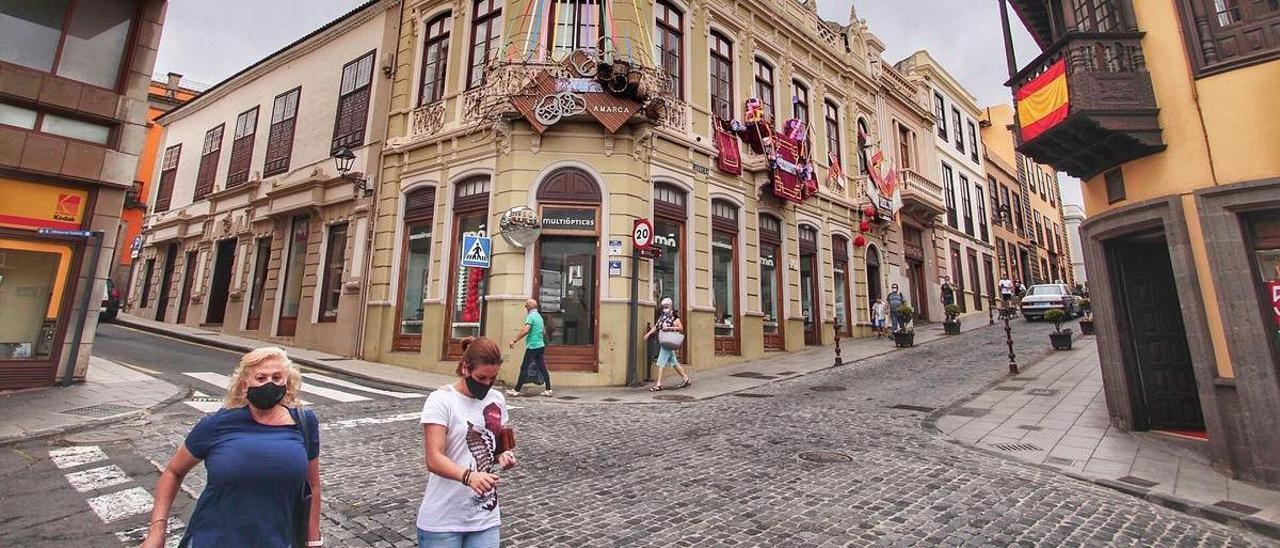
column 302, row 509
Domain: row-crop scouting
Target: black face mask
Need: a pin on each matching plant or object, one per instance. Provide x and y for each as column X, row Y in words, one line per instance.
column 478, row 389
column 265, row 396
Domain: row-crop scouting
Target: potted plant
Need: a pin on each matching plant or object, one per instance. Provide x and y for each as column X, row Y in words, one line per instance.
column 951, row 325
column 905, row 335
column 1086, row 323
column 1061, row 338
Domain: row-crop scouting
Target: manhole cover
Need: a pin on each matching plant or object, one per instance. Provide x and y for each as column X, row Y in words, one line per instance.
column 1043, row 391
column 673, row 397
column 100, row 410
column 1237, row 507
column 1008, row 388
column 115, row 434
column 1030, row 427
column 826, row 457
column 1017, row 447
column 753, row 395
column 1059, row 461
column 828, row 388
column 919, row 408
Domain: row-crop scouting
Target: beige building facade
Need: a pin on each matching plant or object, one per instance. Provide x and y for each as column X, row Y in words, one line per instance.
column 252, row 230
column 749, row 273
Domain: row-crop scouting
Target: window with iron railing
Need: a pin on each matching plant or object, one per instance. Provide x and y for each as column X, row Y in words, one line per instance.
column 669, row 28
column 435, row 59
column 575, row 24
column 486, row 36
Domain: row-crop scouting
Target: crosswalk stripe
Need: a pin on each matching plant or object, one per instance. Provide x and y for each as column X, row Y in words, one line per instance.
column 346, row 384
column 97, row 478
column 69, row 457
column 223, row 381
column 332, row 394
column 121, row 504
column 204, row 403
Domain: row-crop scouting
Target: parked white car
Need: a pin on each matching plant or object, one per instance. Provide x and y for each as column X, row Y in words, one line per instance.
column 1042, row 298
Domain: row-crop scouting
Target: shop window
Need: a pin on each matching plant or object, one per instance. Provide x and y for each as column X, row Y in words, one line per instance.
column 419, row 220
column 435, row 60
column 294, row 267
column 84, row 40
column 209, row 155
column 575, row 25
column 33, row 280
column 1264, row 231
column 668, row 227
column 840, row 278
column 669, row 29
column 258, row 286
column 242, row 147
column 764, row 87
column 771, row 280
column 809, row 275
column 466, row 285
column 724, row 277
column 334, row 259
column 567, row 280
column 284, row 116
column 721, row 77
column 353, row 103
column 486, row 32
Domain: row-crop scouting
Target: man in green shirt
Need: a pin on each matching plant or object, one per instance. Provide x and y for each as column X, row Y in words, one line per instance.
column 534, row 365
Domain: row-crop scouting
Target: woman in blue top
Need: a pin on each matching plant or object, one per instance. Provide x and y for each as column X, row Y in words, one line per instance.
column 256, row 461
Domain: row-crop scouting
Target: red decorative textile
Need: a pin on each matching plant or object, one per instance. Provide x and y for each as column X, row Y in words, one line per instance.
column 787, row 183
column 730, row 158
column 471, row 309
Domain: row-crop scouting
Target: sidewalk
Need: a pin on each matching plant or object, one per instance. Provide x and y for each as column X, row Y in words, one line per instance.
column 706, row 384
column 111, row 393
column 1055, row 414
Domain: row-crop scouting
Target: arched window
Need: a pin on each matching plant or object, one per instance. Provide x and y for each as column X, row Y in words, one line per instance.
column 724, row 276
column 486, row 34
column 669, row 34
column 415, row 267
column 721, row 76
column 435, row 59
column 764, row 87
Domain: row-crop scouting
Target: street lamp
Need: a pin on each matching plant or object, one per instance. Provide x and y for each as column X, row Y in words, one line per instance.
column 343, row 159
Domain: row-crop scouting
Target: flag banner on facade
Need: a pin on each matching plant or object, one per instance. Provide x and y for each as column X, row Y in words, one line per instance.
column 787, row 171
column 730, row 158
column 835, row 173
column 1044, row 101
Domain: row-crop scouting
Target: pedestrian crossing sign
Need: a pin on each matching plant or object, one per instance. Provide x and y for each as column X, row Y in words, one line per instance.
column 476, row 250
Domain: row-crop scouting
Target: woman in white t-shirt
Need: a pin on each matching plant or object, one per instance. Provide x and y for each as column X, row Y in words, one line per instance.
column 461, row 424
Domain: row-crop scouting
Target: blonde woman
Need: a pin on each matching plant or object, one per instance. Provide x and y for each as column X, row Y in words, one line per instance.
column 258, row 465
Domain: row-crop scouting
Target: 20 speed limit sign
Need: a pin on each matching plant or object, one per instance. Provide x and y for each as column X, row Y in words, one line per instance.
column 642, row 234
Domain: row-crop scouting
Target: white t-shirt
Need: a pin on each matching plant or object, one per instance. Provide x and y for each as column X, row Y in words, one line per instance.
column 471, row 430
column 1006, row 286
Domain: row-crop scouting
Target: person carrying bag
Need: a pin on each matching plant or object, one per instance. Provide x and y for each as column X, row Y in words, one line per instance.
column 670, row 337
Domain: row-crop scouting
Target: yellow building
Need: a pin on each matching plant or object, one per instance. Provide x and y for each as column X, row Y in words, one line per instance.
column 1166, row 110
column 493, row 108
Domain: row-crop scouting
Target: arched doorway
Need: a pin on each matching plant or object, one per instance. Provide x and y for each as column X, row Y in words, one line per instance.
column 566, row 280
column 874, row 291
column 809, row 275
column 771, row 282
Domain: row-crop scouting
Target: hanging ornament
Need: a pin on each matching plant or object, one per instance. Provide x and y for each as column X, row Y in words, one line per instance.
column 869, row 210
column 864, row 225
column 859, row 241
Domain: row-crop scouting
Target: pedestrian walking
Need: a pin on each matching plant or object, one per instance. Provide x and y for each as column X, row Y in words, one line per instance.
column 1006, row 289
column 895, row 300
column 261, row 452
column 948, row 292
column 669, row 322
column 466, row 440
column 879, row 315
column 533, row 368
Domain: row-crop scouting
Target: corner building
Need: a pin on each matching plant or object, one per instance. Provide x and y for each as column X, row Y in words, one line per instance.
column 750, row 273
column 1163, row 109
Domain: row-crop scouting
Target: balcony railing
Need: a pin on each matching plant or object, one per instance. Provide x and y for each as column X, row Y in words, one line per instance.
column 1111, row 116
column 921, row 195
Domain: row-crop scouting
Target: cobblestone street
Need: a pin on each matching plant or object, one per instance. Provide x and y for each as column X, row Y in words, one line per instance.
column 727, row 472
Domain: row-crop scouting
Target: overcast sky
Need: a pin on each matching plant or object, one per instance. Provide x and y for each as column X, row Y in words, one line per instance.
column 209, row 41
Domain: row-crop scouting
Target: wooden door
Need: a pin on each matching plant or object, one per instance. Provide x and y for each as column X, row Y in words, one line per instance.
column 188, row 276
column 809, row 299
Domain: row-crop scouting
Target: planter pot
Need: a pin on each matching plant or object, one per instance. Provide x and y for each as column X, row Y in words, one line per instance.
column 1061, row 341
column 951, row 327
column 1086, row 327
column 904, row 338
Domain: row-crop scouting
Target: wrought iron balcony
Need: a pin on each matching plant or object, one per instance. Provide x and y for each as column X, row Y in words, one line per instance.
column 921, row 196
column 1111, row 107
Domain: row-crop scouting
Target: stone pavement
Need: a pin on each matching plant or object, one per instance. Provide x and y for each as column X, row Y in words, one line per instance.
column 706, row 384
column 110, row 393
column 1055, row 413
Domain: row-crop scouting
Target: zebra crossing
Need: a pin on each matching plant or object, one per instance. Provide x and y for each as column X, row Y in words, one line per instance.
column 116, row 498
column 317, row 389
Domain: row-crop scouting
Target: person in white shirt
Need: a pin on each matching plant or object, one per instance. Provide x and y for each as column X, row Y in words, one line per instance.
column 879, row 315
column 1006, row 289
column 462, row 426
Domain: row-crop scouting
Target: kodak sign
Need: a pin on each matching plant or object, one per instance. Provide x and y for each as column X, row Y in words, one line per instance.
column 33, row 206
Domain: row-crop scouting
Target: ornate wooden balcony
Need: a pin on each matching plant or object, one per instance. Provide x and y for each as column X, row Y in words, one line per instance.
column 1111, row 108
column 921, row 197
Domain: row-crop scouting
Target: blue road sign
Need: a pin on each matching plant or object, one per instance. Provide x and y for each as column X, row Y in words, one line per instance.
column 64, row 232
column 476, row 251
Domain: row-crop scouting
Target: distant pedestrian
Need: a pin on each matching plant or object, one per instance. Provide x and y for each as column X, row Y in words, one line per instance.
column 261, row 457
column 948, row 292
column 462, row 428
column 1006, row 289
column 879, row 315
column 533, row 368
column 669, row 321
column 895, row 300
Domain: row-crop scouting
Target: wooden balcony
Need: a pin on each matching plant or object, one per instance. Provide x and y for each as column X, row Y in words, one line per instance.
column 921, row 196
column 1111, row 116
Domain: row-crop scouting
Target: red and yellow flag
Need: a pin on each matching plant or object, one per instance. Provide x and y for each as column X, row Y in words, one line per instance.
column 1043, row 102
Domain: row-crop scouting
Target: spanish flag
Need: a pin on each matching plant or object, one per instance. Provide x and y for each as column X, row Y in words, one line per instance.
column 1043, row 102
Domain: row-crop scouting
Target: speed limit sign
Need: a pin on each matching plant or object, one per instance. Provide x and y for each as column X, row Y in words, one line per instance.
column 642, row 234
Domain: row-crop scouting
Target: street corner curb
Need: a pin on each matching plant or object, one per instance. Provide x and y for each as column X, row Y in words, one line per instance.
column 182, row 336
column 1191, row 508
column 363, row 376
column 180, row 394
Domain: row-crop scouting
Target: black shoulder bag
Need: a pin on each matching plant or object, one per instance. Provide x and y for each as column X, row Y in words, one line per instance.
column 302, row 508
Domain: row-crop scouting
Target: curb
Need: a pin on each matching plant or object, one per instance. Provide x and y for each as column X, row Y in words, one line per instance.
column 1194, row 509
column 178, row 396
column 245, row 348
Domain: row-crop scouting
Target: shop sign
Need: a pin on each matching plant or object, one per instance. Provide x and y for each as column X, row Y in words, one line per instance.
column 565, row 218
column 766, row 261
column 34, row 206
column 615, row 248
column 668, row 241
column 698, row 168
column 615, row 267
